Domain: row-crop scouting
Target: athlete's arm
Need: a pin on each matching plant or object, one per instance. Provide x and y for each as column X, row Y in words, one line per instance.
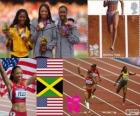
column 105, row 3
column 98, row 75
column 79, row 71
column 130, row 73
column 122, row 6
column 30, row 80
column 7, row 81
column 118, row 79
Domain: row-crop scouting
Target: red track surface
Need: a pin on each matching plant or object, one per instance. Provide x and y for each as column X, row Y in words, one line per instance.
column 133, row 36
column 107, row 102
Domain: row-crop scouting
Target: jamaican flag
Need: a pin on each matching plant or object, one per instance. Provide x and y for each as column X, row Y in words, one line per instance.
column 49, row 87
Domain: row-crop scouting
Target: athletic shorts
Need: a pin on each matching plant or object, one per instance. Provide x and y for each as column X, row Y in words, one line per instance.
column 110, row 15
column 89, row 90
column 123, row 82
column 15, row 113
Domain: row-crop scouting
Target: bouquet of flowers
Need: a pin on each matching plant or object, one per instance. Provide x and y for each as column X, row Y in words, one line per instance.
column 66, row 28
column 5, row 27
column 26, row 41
column 43, row 44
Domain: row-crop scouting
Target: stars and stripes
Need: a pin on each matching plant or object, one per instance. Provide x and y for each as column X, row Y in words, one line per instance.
column 49, row 67
column 49, row 106
column 28, row 67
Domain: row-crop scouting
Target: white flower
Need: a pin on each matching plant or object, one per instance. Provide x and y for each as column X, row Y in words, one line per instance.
column 41, row 25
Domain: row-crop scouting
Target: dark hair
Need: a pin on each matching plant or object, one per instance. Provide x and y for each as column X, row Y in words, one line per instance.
column 93, row 65
column 13, row 69
column 27, row 21
column 63, row 7
column 124, row 67
column 49, row 13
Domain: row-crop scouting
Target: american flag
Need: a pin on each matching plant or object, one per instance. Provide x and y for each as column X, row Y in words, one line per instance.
column 28, row 67
column 49, row 67
column 49, row 106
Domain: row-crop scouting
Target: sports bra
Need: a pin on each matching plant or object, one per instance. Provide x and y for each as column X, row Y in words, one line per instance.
column 94, row 73
column 125, row 76
column 18, row 93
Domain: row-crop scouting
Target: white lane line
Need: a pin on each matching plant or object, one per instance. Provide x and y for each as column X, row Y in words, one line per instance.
column 126, row 63
column 103, row 78
column 110, row 64
column 100, row 30
column 103, row 87
column 107, row 71
column 84, row 106
column 126, row 37
column 96, row 97
column 66, row 113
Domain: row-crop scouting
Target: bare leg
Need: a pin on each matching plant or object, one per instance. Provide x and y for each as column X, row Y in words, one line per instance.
column 118, row 89
column 110, row 29
column 94, row 89
column 87, row 98
column 124, row 93
column 115, row 26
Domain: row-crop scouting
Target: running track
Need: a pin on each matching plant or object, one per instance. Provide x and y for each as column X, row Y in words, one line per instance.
column 107, row 102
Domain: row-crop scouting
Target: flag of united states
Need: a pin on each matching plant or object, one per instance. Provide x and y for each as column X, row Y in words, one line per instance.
column 49, row 106
column 28, row 67
column 49, row 67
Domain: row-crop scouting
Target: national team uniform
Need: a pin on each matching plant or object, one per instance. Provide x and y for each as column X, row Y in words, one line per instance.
column 89, row 81
column 17, row 95
column 124, row 80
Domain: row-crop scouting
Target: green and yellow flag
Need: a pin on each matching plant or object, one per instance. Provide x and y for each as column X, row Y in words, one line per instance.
column 49, row 87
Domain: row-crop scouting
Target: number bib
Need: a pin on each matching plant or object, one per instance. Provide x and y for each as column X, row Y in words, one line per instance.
column 20, row 93
column 88, row 82
column 12, row 114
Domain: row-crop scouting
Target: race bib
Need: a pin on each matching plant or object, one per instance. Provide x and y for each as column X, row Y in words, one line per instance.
column 12, row 114
column 88, row 82
column 20, row 93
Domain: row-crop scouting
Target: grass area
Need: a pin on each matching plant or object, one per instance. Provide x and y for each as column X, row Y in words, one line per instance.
column 81, row 54
column 3, row 55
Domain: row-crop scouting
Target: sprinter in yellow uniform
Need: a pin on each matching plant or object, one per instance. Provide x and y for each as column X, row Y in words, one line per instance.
column 122, row 81
column 18, row 35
